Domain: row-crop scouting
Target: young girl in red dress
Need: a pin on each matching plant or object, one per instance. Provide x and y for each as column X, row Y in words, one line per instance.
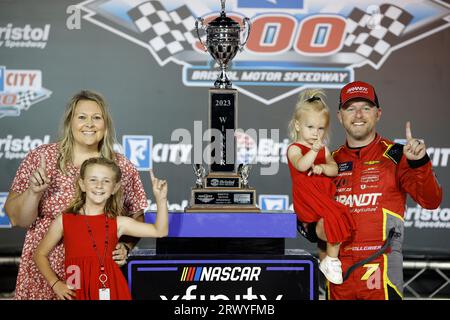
column 90, row 229
column 312, row 167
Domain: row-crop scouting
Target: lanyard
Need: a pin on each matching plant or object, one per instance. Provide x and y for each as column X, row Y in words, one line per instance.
column 102, row 277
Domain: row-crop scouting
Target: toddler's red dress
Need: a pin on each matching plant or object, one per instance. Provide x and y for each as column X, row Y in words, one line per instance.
column 81, row 256
column 313, row 198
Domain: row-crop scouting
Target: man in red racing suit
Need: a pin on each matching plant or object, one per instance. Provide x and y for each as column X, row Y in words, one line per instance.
column 375, row 175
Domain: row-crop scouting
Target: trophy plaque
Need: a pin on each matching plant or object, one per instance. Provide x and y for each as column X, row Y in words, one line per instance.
column 223, row 189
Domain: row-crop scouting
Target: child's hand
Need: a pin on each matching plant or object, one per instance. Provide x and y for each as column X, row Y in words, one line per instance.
column 316, row 169
column 159, row 188
column 317, row 145
column 63, row 291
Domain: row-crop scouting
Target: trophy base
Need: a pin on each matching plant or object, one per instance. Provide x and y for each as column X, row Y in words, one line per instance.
column 221, row 209
column 223, row 200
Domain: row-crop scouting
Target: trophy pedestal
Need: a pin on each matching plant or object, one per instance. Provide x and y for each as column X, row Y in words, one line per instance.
column 222, row 193
column 221, row 200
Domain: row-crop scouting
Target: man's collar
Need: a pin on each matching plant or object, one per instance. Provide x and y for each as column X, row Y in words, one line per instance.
column 358, row 150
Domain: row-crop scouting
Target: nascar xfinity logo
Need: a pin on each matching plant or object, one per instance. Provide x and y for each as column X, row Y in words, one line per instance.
column 220, row 274
column 19, row 90
column 293, row 44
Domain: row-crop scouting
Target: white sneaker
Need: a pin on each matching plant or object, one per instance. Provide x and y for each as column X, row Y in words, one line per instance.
column 331, row 268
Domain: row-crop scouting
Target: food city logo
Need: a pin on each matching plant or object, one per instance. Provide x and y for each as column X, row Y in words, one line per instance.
column 293, row 44
column 17, row 148
column 138, row 149
column 4, row 221
column 19, row 90
column 24, row 36
column 261, row 146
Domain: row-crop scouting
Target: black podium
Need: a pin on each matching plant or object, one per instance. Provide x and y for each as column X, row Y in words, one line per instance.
column 224, row 256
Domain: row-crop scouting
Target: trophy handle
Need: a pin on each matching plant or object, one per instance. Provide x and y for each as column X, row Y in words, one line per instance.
column 247, row 27
column 199, row 19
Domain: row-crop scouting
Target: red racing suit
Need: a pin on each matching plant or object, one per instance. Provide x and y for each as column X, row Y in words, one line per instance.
column 373, row 182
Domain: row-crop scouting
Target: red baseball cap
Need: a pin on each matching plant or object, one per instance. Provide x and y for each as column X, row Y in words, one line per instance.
column 358, row 90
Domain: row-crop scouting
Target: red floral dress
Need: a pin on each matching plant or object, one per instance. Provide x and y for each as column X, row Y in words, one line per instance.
column 313, row 198
column 30, row 283
column 83, row 260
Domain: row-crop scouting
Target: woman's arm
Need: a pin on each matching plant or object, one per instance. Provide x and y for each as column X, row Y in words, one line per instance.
column 22, row 208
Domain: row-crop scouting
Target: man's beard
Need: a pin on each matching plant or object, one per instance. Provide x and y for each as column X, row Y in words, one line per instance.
column 361, row 133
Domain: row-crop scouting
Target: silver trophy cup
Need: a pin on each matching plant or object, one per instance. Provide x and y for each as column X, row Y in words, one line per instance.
column 223, row 40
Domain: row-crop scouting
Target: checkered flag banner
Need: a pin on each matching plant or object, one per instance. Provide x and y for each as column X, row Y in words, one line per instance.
column 26, row 98
column 168, row 33
column 373, row 35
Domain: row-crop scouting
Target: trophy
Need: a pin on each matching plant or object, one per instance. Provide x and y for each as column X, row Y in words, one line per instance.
column 223, row 36
column 244, row 172
column 223, row 190
column 199, row 171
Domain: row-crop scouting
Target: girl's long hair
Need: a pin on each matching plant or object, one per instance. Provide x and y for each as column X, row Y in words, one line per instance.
column 309, row 100
column 114, row 205
column 66, row 141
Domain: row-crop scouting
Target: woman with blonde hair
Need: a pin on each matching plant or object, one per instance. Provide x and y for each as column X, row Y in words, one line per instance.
column 312, row 167
column 45, row 184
